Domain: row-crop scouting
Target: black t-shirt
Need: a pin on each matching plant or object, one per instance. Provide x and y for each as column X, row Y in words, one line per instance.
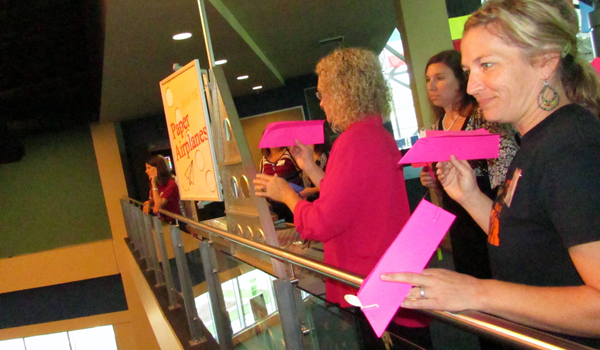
column 550, row 203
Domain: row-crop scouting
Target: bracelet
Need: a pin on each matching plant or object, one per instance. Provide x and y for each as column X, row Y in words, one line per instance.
column 155, row 189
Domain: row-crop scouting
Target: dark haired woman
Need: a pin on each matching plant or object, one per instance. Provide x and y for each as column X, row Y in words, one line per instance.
column 278, row 161
column 456, row 110
column 164, row 193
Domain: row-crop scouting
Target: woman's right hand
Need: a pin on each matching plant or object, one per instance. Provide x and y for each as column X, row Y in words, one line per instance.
column 458, row 179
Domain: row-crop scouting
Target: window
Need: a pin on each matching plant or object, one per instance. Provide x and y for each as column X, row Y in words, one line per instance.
column 97, row 338
column 395, row 70
column 245, row 296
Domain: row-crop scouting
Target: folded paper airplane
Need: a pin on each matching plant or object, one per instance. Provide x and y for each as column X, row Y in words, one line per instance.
column 438, row 146
column 285, row 134
column 409, row 252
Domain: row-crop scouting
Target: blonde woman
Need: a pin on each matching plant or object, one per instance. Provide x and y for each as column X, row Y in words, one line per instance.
column 544, row 229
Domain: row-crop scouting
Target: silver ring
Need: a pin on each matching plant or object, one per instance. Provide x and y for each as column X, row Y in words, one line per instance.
column 422, row 292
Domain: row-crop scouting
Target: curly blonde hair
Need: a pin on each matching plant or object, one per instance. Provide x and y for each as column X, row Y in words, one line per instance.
column 538, row 27
column 354, row 79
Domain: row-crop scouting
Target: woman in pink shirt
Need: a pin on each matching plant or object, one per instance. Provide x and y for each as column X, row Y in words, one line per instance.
column 363, row 203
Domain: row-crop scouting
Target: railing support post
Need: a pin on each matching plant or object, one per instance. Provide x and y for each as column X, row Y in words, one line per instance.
column 152, row 258
column 186, row 287
column 288, row 315
column 164, row 261
column 217, row 303
column 139, row 227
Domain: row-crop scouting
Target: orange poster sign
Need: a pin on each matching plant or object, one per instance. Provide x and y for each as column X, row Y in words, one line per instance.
column 188, row 124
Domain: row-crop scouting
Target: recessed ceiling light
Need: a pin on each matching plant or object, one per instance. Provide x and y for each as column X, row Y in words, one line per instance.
column 220, row 62
column 242, row 77
column 257, row 87
column 182, row 36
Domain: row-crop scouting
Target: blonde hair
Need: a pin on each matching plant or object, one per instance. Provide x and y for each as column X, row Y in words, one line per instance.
column 354, row 79
column 543, row 26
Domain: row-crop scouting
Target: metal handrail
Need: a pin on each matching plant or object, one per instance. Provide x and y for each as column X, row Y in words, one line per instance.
column 470, row 320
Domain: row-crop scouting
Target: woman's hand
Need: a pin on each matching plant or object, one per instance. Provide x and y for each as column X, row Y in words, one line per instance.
column 308, row 191
column 427, row 180
column 438, row 289
column 273, row 187
column 303, row 154
column 277, row 189
column 458, row 179
column 146, row 207
column 152, row 172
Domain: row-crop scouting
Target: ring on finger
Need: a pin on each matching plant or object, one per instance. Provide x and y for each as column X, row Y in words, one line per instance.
column 422, row 292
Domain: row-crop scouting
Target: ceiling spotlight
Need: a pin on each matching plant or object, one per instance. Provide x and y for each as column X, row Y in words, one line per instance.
column 257, row 87
column 220, row 62
column 182, row 36
column 242, row 77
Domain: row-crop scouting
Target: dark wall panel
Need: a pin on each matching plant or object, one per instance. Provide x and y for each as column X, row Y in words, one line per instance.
column 62, row 302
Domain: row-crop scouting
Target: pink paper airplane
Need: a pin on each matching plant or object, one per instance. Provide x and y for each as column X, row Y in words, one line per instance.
column 410, row 252
column 596, row 64
column 438, row 146
column 285, row 134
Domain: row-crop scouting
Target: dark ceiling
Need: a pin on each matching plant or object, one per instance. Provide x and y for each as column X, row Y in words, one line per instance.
column 72, row 62
column 51, row 65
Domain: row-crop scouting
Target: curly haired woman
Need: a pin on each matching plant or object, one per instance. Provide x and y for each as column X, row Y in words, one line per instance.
column 363, row 203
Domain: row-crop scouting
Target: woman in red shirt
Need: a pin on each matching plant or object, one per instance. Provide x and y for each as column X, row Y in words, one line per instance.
column 164, row 193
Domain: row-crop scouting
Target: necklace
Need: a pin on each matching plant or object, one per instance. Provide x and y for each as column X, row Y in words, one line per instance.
column 451, row 124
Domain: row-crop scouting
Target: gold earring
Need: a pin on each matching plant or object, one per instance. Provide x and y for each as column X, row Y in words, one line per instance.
column 543, row 102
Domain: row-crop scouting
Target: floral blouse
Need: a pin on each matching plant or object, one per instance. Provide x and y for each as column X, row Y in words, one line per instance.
column 496, row 167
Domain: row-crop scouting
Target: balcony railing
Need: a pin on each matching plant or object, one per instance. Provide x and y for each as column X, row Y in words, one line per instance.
column 144, row 230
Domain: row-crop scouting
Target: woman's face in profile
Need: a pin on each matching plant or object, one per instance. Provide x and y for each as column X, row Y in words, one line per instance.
column 150, row 171
column 442, row 85
column 505, row 85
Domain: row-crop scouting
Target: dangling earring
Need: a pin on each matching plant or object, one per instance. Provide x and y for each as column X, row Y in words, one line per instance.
column 548, row 104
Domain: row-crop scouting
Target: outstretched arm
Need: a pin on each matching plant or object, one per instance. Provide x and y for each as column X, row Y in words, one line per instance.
column 570, row 310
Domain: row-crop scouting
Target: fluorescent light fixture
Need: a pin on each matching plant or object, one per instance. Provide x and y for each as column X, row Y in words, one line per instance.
column 182, row 36
column 257, row 87
column 220, row 62
column 242, row 77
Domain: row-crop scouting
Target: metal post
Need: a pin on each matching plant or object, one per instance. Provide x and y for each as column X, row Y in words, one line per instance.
column 139, row 227
column 215, row 292
column 166, row 267
column 130, row 224
column 186, row 288
column 594, row 18
column 288, row 315
column 206, row 31
column 135, row 233
column 152, row 258
column 127, row 216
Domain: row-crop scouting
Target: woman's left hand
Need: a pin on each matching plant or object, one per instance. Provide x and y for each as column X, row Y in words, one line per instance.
column 303, row 154
column 272, row 187
column 438, row 289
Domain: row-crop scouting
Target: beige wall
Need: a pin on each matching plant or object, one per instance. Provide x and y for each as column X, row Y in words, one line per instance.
column 423, row 26
column 142, row 326
column 254, row 127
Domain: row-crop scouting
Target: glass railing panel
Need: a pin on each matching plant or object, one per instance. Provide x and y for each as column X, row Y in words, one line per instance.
column 250, row 302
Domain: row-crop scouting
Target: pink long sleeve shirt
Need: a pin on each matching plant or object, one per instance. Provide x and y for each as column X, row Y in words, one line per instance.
column 363, row 203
